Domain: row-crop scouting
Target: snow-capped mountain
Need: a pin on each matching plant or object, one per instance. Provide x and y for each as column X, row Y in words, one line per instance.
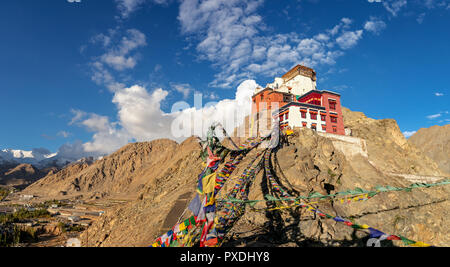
column 40, row 157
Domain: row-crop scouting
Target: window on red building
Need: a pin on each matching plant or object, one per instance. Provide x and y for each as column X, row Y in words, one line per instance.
column 332, row 104
column 333, row 119
column 324, row 128
column 334, row 129
column 324, row 117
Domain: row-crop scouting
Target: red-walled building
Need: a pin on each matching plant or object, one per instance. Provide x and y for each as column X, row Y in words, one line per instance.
column 317, row 110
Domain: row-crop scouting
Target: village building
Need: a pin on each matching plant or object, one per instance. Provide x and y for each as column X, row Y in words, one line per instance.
column 296, row 101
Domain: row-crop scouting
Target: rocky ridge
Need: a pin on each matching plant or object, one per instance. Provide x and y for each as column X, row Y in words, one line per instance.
column 435, row 143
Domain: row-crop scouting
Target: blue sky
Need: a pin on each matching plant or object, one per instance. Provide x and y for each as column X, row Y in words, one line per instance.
column 77, row 75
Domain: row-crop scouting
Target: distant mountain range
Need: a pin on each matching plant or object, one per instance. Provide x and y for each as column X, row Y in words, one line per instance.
column 21, row 168
column 40, row 158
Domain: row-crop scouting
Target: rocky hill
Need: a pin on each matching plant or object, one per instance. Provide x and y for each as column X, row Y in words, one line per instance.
column 435, row 143
column 125, row 174
column 387, row 147
column 20, row 175
column 310, row 163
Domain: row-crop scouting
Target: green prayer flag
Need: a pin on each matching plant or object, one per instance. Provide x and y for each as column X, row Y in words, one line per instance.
column 359, row 191
column 315, row 195
column 407, row 241
column 348, row 192
column 381, row 189
column 174, row 244
column 391, row 188
column 271, row 198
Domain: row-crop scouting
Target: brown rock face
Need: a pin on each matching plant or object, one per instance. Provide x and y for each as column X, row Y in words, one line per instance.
column 20, row 175
column 388, row 149
column 124, row 174
column 435, row 143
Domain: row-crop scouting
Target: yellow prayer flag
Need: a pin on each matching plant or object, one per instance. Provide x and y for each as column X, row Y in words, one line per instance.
column 209, row 183
column 420, row 244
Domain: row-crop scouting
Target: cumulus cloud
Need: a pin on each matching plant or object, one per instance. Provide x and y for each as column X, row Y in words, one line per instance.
column 231, row 35
column 394, row 6
column 349, row 39
column 140, row 118
column 374, row 25
column 64, row 134
column 120, row 55
column 183, row 88
column 127, row 7
column 77, row 115
column 408, row 134
column 73, row 152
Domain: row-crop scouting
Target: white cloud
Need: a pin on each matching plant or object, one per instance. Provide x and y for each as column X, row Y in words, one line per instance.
column 120, row 55
column 183, row 88
column 438, row 94
column 408, row 134
column 127, row 7
column 420, row 18
column 140, row 118
column 434, row 116
column 230, row 35
column 64, row 134
column 438, row 115
column 349, row 39
column 394, row 6
column 375, row 25
column 78, row 115
column 74, row 1
column 73, row 151
column 96, row 123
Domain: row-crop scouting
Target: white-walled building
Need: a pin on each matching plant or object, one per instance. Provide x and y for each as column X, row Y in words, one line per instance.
column 298, row 81
column 297, row 114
